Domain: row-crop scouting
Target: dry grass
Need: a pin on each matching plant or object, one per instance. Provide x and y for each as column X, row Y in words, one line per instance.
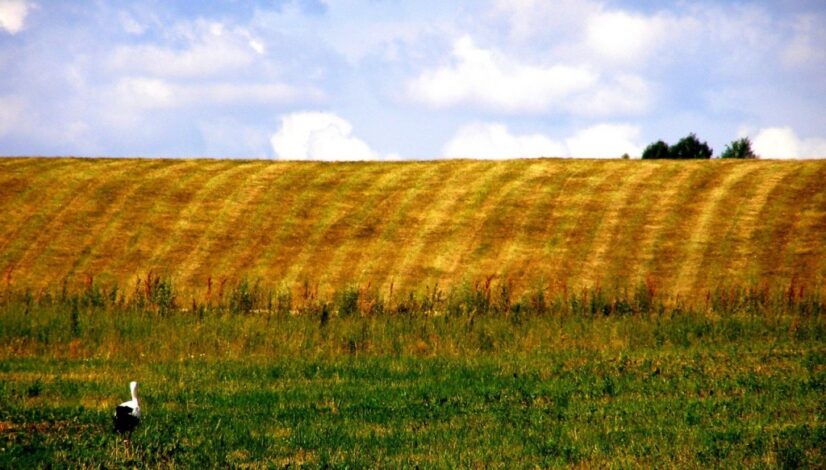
column 685, row 226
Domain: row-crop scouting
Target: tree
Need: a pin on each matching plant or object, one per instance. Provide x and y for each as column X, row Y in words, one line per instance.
column 690, row 147
column 656, row 151
column 740, row 148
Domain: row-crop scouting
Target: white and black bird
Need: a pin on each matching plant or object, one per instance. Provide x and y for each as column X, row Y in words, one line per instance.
column 128, row 414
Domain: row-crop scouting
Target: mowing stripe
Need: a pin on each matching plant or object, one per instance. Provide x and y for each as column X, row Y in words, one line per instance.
column 700, row 235
column 482, row 238
column 675, row 216
column 774, row 224
column 86, row 220
column 225, row 220
column 725, row 258
column 542, row 223
column 97, row 234
column 807, row 245
column 688, row 225
column 408, row 231
column 460, row 230
column 614, row 196
column 267, row 217
column 313, row 256
column 122, row 233
column 367, row 225
column 303, row 208
column 520, row 246
column 194, row 214
column 45, row 189
column 23, row 180
column 633, row 246
column 793, row 246
column 318, row 263
column 242, row 226
column 618, row 257
column 570, row 222
column 382, row 226
column 742, row 262
column 437, row 223
column 45, row 224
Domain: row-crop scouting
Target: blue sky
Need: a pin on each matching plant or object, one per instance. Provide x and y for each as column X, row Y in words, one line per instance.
column 384, row 79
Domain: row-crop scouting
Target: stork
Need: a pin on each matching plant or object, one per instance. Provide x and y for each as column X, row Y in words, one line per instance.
column 128, row 414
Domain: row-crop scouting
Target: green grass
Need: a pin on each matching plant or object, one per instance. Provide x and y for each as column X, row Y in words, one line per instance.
column 222, row 389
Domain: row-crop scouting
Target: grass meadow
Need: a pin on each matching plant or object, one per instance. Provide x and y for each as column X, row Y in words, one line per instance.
column 739, row 382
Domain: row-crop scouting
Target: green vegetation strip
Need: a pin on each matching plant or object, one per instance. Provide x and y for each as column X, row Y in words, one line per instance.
column 224, row 389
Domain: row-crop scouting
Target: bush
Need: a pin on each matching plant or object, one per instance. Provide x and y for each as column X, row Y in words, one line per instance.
column 740, row 148
column 657, row 151
column 690, row 147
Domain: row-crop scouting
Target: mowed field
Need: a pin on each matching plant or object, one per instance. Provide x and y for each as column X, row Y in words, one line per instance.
column 601, row 361
column 684, row 226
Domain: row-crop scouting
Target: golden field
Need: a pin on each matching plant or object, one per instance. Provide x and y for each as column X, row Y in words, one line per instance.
column 682, row 226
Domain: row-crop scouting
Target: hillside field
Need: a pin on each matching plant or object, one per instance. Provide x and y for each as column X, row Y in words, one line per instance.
column 587, row 351
column 682, row 226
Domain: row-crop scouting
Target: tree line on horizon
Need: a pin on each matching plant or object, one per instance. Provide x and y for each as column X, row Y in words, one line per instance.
column 690, row 147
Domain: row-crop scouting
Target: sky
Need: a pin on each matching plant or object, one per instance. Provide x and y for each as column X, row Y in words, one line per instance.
column 418, row 79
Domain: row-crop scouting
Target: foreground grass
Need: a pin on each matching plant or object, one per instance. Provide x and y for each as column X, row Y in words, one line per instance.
column 685, row 390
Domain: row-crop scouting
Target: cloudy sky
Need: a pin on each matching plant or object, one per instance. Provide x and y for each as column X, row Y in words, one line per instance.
column 399, row 79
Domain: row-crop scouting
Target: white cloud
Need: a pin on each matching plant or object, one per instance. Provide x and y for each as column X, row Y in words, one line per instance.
column 783, row 143
column 319, row 136
column 487, row 78
column 732, row 37
column 605, row 141
column 495, row 141
column 13, row 15
column 623, row 94
column 211, row 49
column 623, row 37
column 143, row 93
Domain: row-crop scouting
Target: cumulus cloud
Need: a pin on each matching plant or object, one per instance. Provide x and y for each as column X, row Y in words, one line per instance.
column 490, row 80
column 783, row 143
column 495, row 141
column 13, row 15
column 605, row 141
column 624, row 37
column 487, row 78
column 319, row 136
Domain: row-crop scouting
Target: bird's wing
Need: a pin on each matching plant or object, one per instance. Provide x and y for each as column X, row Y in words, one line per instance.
column 123, row 410
column 129, row 408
